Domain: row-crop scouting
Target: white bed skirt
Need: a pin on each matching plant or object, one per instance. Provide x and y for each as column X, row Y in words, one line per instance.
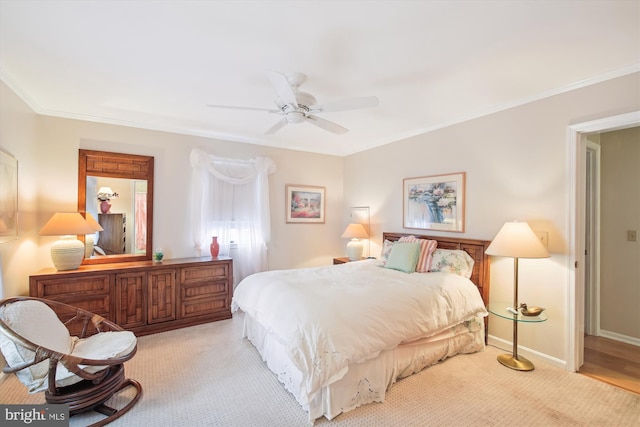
column 367, row 381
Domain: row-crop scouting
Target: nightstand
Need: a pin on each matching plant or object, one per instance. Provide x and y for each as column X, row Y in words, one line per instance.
column 342, row 260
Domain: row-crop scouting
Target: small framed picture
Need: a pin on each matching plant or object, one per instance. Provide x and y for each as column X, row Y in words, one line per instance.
column 305, row 204
column 434, row 202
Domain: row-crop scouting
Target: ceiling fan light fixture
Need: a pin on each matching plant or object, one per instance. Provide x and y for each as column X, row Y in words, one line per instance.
column 296, row 117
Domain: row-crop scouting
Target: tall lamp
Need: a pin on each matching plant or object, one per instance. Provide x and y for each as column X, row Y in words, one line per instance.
column 68, row 252
column 516, row 240
column 355, row 232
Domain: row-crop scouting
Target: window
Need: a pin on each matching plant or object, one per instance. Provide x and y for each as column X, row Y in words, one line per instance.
column 230, row 200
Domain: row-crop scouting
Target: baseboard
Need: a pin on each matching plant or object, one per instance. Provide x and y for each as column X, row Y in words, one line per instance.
column 619, row 337
column 526, row 352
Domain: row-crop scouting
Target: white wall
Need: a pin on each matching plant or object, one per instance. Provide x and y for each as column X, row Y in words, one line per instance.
column 516, row 165
column 47, row 153
column 18, row 137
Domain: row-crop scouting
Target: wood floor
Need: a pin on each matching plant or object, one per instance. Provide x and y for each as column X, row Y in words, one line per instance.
column 613, row 362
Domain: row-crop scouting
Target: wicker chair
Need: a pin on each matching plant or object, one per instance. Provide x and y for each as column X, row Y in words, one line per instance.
column 82, row 372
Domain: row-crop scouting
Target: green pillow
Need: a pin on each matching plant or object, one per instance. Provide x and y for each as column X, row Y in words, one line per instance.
column 404, row 256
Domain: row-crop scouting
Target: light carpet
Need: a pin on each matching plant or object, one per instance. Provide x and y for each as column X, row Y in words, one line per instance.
column 207, row 375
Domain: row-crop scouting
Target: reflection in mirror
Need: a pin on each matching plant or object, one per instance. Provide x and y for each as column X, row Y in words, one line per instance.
column 120, row 206
column 117, row 190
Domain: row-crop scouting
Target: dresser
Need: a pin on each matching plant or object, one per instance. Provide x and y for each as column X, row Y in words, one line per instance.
column 113, row 238
column 145, row 297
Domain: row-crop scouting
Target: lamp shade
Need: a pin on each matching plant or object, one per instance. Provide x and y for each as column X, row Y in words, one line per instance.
column 68, row 252
column 517, row 240
column 355, row 231
column 63, row 223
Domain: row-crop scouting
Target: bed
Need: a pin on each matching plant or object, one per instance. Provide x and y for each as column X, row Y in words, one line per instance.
column 339, row 336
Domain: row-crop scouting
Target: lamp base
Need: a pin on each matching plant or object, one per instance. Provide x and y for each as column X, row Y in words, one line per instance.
column 67, row 253
column 519, row 364
column 354, row 250
column 89, row 244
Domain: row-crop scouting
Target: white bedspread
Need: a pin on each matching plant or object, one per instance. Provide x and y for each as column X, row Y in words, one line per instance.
column 328, row 317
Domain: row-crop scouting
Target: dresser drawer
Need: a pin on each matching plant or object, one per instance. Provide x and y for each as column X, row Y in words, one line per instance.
column 190, row 275
column 204, row 307
column 91, row 293
column 196, row 290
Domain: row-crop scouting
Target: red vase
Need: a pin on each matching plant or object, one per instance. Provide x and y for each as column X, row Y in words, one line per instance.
column 214, row 247
column 104, row 207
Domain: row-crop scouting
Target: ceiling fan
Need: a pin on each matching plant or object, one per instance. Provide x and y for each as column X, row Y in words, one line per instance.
column 298, row 107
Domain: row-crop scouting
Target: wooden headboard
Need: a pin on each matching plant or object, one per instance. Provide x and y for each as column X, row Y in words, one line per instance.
column 475, row 248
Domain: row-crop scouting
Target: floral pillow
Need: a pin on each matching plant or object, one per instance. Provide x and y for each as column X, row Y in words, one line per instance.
column 386, row 250
column 426, row 251
column 452, row 261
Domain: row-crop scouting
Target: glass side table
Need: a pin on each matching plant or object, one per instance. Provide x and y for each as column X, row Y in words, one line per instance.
column 513, row 361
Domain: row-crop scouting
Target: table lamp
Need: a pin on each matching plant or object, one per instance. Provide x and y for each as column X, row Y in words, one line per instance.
column 68, row 252
column 516, row 240
column 355, row 232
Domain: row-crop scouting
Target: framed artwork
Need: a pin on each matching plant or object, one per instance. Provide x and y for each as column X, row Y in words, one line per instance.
column 434, row 202
column 305, row 204
column 8, row 197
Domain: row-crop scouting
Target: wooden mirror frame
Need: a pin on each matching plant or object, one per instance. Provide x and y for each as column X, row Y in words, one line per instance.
column 116, row 165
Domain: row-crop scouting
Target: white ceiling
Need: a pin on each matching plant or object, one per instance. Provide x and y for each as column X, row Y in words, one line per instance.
column 157, row 64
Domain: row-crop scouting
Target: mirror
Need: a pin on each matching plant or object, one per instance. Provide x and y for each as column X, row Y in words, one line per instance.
column 117, row 190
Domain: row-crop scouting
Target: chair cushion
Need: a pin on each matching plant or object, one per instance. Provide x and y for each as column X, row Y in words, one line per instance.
column 104, row 345
column 36, row 322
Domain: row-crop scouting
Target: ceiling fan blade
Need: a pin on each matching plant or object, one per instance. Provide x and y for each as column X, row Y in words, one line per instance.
column 273, row 129
column 347, row 104
column 284, row 90
column 231, row 107
column 326, row 124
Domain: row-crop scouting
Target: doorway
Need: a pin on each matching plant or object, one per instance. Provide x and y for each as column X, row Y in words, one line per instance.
column 578, row 218
column 608, row 356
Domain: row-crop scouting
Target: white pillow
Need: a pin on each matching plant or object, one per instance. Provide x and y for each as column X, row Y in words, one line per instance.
column 454, row 261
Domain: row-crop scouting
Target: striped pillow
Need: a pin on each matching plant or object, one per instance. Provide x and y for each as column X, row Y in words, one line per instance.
column 426, row 251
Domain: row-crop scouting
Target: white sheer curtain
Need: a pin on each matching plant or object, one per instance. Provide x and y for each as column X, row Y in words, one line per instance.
column 230, row 200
